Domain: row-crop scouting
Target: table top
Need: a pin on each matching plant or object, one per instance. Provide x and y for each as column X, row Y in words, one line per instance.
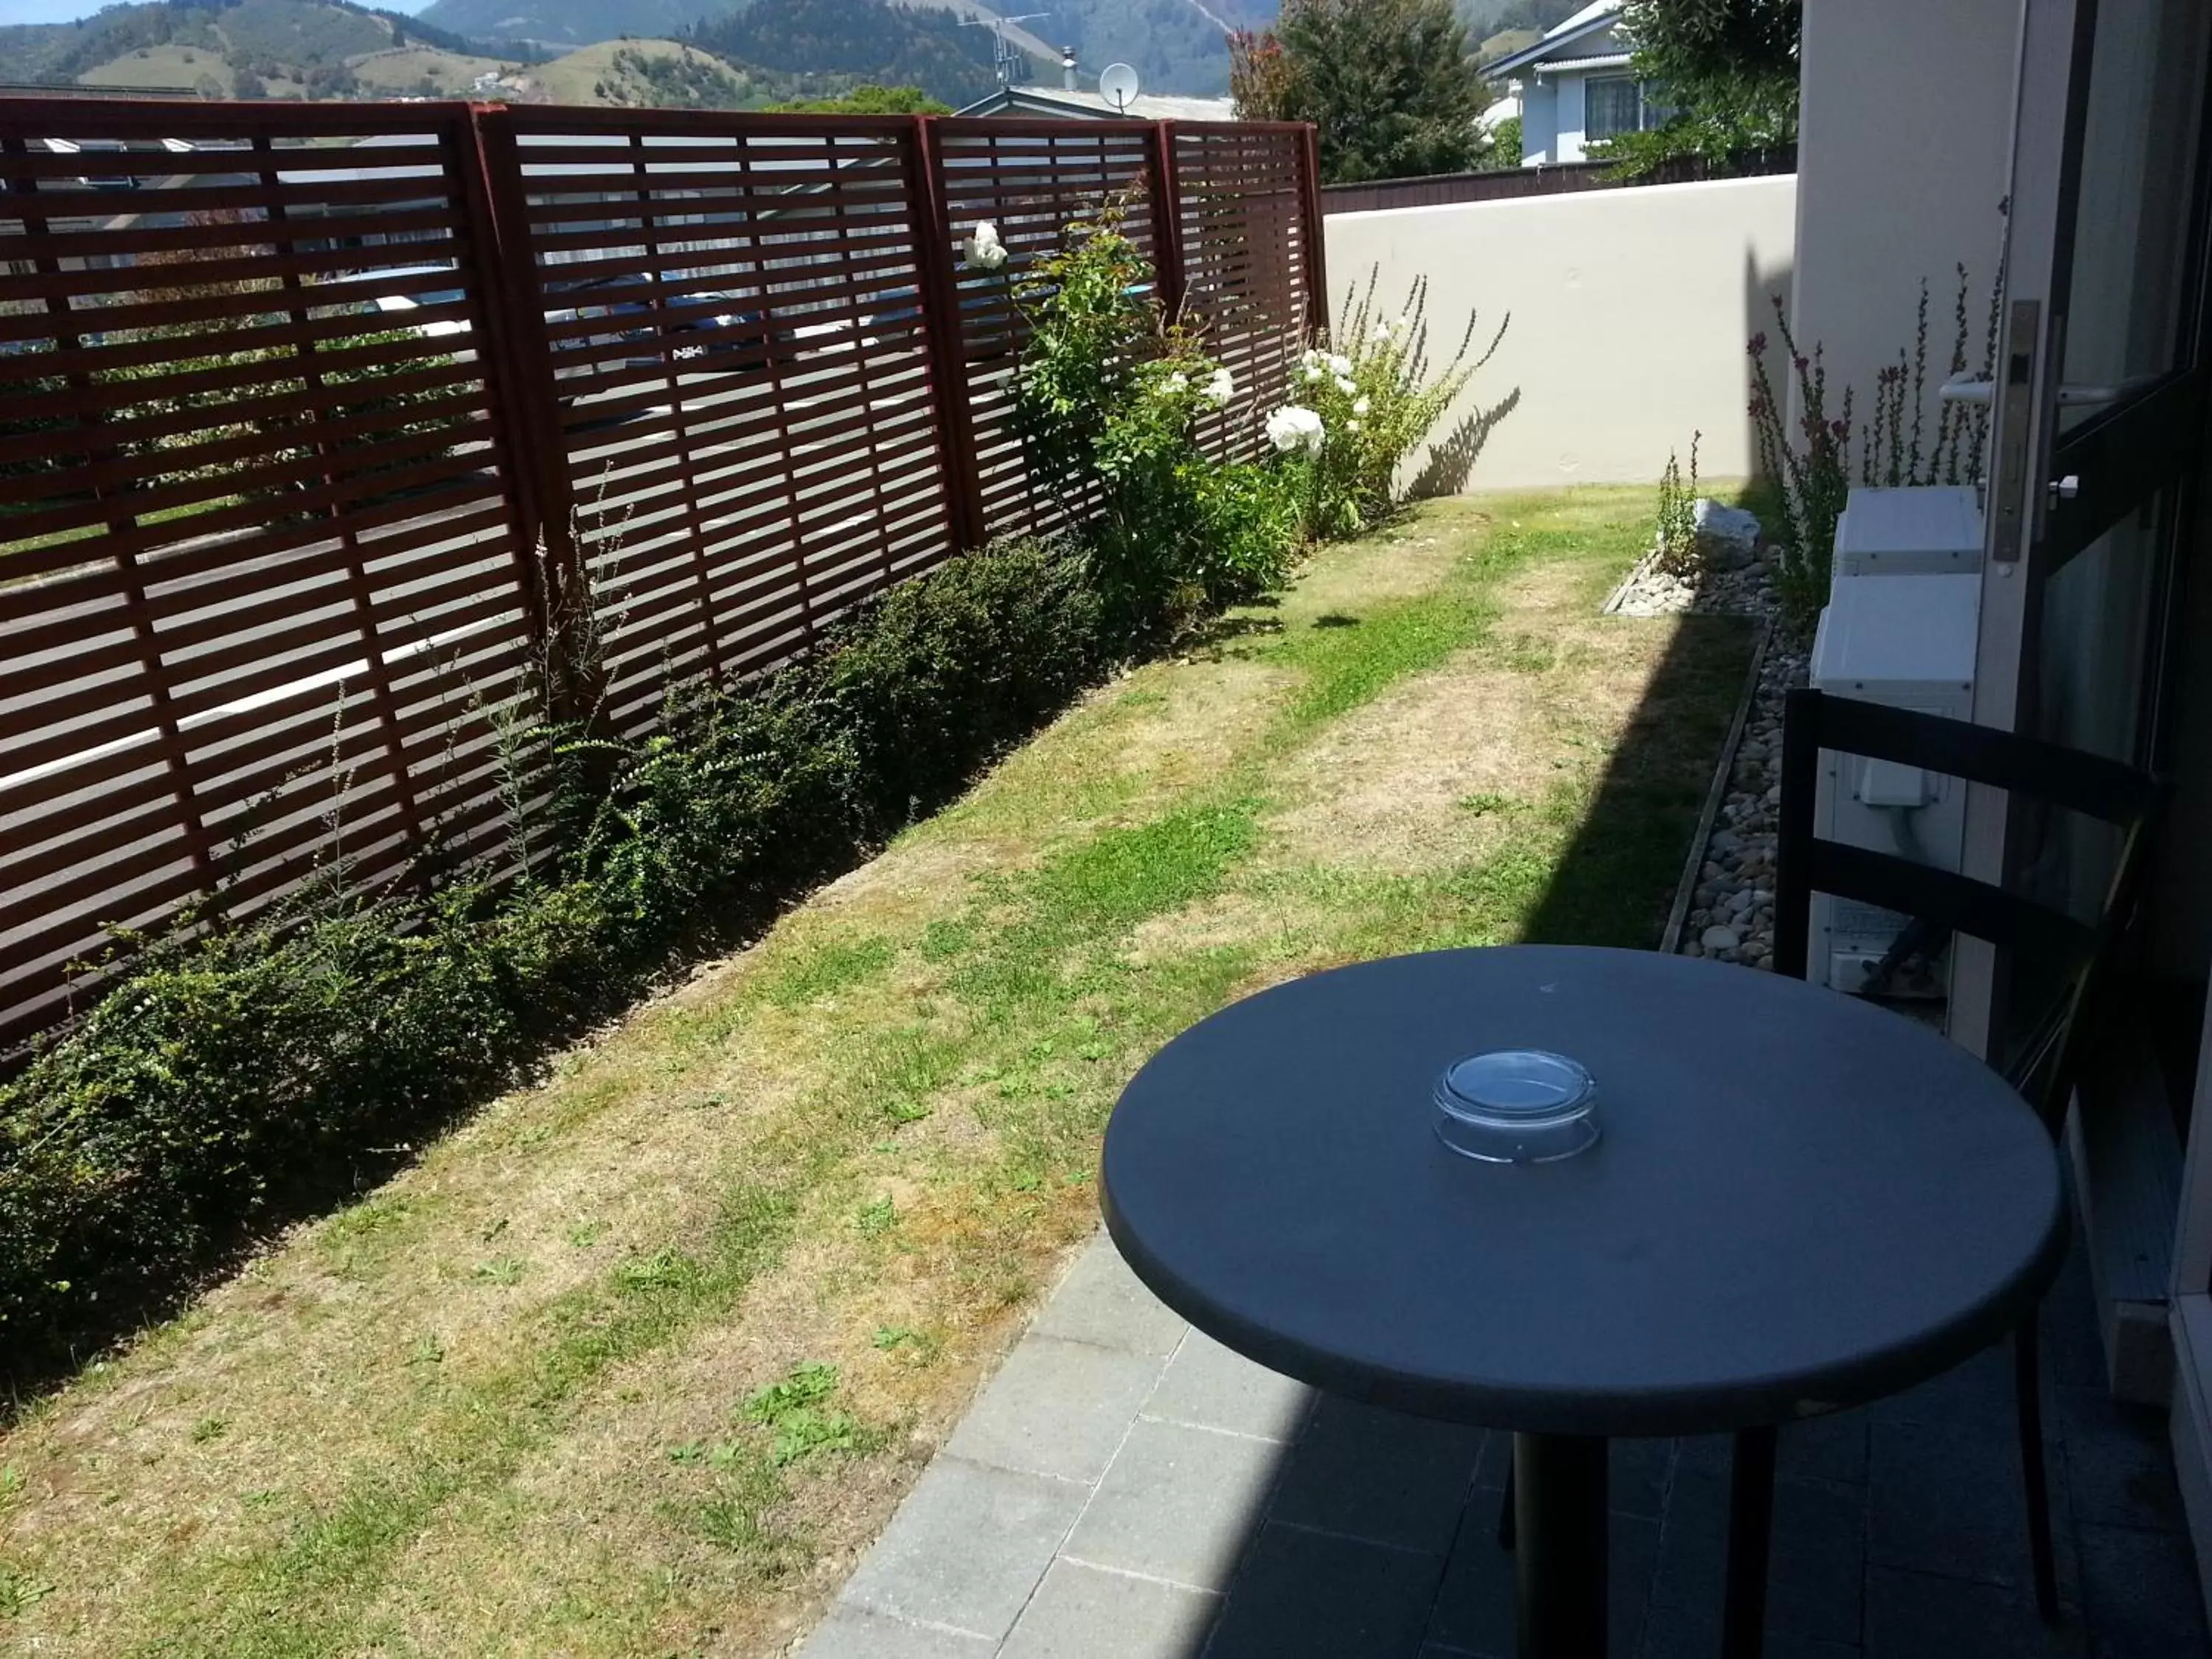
column 1799, row 1200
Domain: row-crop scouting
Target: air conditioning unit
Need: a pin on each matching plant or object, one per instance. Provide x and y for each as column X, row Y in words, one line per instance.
column 1933, row 530
column 1907, row 641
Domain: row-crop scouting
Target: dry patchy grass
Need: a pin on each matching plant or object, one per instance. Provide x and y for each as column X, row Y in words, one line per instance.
column 638, row 1360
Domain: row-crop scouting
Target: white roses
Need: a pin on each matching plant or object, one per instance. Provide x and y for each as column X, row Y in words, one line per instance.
column 1295, row 427
column 1220, row 389
column 983, row 249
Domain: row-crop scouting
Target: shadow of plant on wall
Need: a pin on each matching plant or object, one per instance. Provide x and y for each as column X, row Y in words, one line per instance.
column 1451, row 460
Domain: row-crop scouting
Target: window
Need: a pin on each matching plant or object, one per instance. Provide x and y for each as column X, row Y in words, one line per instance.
column 1614, row 104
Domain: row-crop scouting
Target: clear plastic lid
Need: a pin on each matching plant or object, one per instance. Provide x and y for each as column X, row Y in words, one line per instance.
column 1517, row 1106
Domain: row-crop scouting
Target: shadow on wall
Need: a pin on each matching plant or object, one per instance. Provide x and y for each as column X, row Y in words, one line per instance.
column 1452, row 458
column 1761, row 289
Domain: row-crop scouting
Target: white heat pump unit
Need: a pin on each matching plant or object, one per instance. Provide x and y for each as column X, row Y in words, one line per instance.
column 1933, row 530
column 1907, row 641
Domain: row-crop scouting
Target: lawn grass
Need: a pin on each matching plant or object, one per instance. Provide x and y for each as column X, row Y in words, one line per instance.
column 635, row 1361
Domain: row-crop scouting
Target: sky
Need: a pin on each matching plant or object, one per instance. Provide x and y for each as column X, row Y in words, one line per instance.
column 62, row 11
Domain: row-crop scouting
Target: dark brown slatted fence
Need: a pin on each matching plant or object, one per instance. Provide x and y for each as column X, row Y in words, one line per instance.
column 311, row 416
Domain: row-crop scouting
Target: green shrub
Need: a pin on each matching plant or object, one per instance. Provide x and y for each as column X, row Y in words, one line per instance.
column 238, row 1070
column 1108, row 400
column 1676, row 536
column 1376, row 400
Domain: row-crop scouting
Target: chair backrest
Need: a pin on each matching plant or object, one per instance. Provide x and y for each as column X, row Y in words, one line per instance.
column 2081, row 951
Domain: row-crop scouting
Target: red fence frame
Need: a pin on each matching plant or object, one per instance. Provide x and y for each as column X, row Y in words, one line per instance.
column 719, row 376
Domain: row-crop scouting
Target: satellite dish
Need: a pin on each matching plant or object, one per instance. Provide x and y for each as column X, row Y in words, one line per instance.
column 1117, row 85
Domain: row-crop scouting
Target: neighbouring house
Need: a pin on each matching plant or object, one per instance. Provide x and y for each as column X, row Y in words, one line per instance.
column 1072, row 101
column 1091, row 104
column 1576, row 88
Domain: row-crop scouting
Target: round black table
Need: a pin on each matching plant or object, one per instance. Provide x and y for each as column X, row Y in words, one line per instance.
column 1799, row 1202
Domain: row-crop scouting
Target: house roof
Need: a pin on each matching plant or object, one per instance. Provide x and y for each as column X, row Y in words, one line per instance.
column 1094, row 105
column 1554, row 48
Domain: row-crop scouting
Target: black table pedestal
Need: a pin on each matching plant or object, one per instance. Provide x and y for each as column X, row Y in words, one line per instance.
column 1559, row 1545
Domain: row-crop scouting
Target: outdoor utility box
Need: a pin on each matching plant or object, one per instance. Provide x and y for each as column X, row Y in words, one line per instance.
column 1907, row 641
column 1933, row 530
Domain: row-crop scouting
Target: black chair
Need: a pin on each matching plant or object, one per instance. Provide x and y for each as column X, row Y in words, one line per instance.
column 2079, row 956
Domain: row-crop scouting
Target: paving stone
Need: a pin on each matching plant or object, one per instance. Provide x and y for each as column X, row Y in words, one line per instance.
column 966, row 1548
column 1102, row 1303
column 1379, row 1476
column 1179, row 1503
column 1816, row 1574
column 1832, row 1448
column 1973, row 1399
column 2141, row 1594
column 1693, row 1543
column 850, row 1633
column 1304, row 1595
column 1084, row 1613
column 1637, row 1472
column 1948, row 1502
column 1057, row 1408
column 1214, row 1387
column 2119, row 1470
column 1674, row 1633
column 1919, row 1615
column 1474, row 1602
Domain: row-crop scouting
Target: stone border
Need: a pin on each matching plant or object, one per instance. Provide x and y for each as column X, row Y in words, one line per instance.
column 1685, row 885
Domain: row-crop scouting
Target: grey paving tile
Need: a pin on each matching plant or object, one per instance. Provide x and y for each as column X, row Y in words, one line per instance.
column 1917, row 1615
column 1475, row 1601
column 1214, row 1387
column 1816, row 1575
column 1973, row 1400
column 851, row 1633
column 1057, row 1408
column 1946, row 1503
column 1692, row 1567
column 1674, row 1633
column 1181, row 1503
column 1102, row 1301
column 966, row 1548
column 1304, row 1595
column 1084, row 1612
column 1637, row 1473
column 2120, row 1470
column 1379, row 1476
column 1831, row 1448
column 2139, row 1592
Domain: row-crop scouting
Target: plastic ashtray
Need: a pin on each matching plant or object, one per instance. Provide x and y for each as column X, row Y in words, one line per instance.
column 1517, row 1106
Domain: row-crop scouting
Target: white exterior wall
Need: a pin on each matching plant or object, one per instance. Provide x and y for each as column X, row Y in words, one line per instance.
column 1631, row 308
column 1539, row 119
column 1571, row 117
column 1904, row 153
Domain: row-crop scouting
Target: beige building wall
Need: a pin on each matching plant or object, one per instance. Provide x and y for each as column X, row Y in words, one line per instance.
column 1630, row 311
column 1904, row 156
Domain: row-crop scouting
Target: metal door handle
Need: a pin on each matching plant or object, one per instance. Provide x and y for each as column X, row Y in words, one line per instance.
column 2062, row 490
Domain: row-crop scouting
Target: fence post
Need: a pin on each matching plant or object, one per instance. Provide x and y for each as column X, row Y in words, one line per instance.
column 944, row 332
column 1316, row 261
column 1167, row 222
column 518, row 370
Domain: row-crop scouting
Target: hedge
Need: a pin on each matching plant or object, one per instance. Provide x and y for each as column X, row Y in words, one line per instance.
column 237, row 1072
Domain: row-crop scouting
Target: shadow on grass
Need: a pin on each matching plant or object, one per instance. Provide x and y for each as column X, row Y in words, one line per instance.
column 1614, row 883
column 1308, row 1583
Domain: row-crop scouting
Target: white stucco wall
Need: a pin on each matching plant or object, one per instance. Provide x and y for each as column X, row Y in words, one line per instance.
column 1631, row 308
column 1904, row 155
column 1571, row 117
column 1539, row 119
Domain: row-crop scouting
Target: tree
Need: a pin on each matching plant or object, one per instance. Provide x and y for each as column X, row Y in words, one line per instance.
column 1727, row 70
column 1387, row 83
column 867, row 100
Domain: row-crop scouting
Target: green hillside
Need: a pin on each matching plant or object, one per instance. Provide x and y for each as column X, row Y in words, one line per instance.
column 560, row 23
column 665, row 75
column 865, row 40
